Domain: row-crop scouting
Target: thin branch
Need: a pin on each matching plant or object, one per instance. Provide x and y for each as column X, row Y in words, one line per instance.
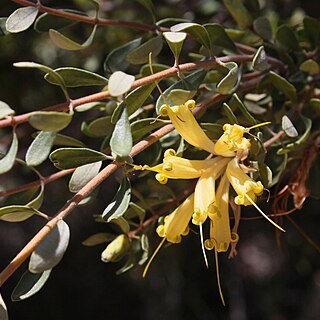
column 140, row 82
column 86, row 19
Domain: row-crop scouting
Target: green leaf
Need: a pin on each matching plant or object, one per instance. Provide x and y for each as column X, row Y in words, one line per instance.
column 89, row 106
column 66, row 141
column 235, row 102
column 135, row 211
column 288, row 127
column 117, row 249
column 315, row 103
column 47, row 21
column 7, row 162
column 120, row 202
column 134, row 100
column 219, row 37
column 98, row 238
column 67, row 158
column 196, row 30
column 287, row 38
column 51, row 250
column 277, row 164
column 263, row 28
column 122, row 223
column 20, row 198
column 232, row 119
column 121, row 140
column 116, row 59
column 230, row 81
column 64, row 42
column 37, row 201
column 82, row 175
column 74, row 77
column 17, row 213
column 39, row 149
column 29, row 284
column 283, row 85
column 3, row 30
column 3, row 310
column 310, row 66
column 312, row 30
column 98, row 128
column 145, row 126
column 21, row 19
column 140, row 54
column 120, row 83
column 49, row 120
column 190, row 82
column 175, row 41
column 180, row 96
column 148, row 5
column 54, row 75
column 5, row 110
column 239, row 13
column 260, row 62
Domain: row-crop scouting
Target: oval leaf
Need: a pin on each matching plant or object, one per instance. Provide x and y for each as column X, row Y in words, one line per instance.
column 120, row 202
column 260, row 62
column 263, row 28
column 5, row 110
column 74, row 77
column 39, row 149
column 119, row 83
column 196, row 30
column 229, row 82
column 17, row 213
column 145, row 126
column 219, row 37
column 7, row 162
column 82, row 175
column 98, row 128
column 121, row 140
column 49, row 120
column 287, row 38
column 3, row 310
column 21, row 19
column 67, row 158
column 66, row 141
column 283, row 85
column 141, row 54
column 310, row 66
column 288, row 127
column 29, row 284
column 238, row 12
column 98, row 238
column 51, row 250
column 175, row 41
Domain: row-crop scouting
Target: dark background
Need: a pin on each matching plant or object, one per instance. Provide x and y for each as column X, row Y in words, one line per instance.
column 262, row 282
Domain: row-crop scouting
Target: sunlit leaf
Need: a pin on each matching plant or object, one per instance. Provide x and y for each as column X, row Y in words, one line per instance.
column 175, row 41
column 260, row 62
column 230, row 81
column 5, row 110
column 120, row 202
column 29, row 284
column 180, row 96
column 122, row 223
column 17, row 213
column 21, row 19
column 7, row 162
column 67, row 158
column 120, row 83
column 310, row 66
column 51, row 250
column 82, row 175
column 116, row 249
column 49, row 120
column 40, row 148
column 288, row 127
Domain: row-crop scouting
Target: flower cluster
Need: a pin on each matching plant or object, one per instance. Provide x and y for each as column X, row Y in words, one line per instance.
column 216, row 175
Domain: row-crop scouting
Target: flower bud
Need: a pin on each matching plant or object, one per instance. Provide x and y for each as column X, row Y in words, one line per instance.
column 116, row 249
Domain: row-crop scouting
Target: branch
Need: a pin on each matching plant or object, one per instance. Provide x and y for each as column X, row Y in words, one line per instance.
column 86, row 19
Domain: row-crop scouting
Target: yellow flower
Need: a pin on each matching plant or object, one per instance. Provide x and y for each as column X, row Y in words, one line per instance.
column 204, row 194
column 176, row 223
column 174, row 167
column 187, row 126
column 232, row 140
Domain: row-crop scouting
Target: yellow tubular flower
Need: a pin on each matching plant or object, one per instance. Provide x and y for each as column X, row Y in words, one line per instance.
column 243, row 185
column 220, row 234
column 176, row 223
column 205, row 197
column 185, row 123
column 232, row 140
column 174, row 167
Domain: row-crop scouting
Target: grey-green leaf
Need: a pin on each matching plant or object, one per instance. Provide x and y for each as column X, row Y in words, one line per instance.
column 67, row 158
column 66, row 141
column 98, row 128
column 120, row 202
column 51, row 250
column 17, row 213
column 21, row 19
column 196, row 30
column 283, row 85
column 120, row 83
column 98, row 238
column 286, row 36
column 5, row 110
column 260, row 62
column 74, row 77
column 40, row 148
column 121, row 140
column 263, row 28
column 219, row 37
column 288, row 127
column 7, row 162
column 310, row 66
column 49, row 120
column 230, row 81
column 141, row 54
column 82, row 175
column 3, row 30
column 29, row 284
column 3, row 310
column 239, row 13
column 175, row 41
column 145, row 126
